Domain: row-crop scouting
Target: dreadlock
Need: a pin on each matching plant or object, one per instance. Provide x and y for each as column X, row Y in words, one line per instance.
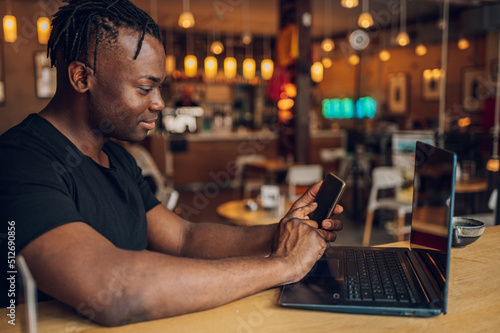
column 75, row 25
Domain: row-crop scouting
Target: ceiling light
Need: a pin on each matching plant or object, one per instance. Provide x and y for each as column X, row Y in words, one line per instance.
column 327, row 62
column 354, row 59
column 248, row 68
column 384, row 55
column 217, row 47
column 317, row 72
column 9, row 28
column 190, row 65
column 43, row 29
column 403, row 39
column 365, row 19
column 463, row 44
column 266, row 69
column 186, row 19
column 421, row 50
column 349, row 3
column 230, row 67
column 210, row 67
column 327, row 45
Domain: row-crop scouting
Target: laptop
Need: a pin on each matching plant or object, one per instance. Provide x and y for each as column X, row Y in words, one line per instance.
column 392, row 281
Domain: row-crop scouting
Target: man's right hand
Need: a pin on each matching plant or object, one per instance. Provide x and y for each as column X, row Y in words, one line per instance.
column 298, row 243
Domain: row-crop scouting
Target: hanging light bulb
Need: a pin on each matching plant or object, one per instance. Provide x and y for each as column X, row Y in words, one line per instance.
column 349, row 3
column 493, row 164
column 267, row 68
column 43, row 29
column 354, row 59
column 9, row 28
column 217, row 47
column 463, row 44
column 403, row 39
column 190, row 65
column 327, row 45
column 246, row 38
column 230, row 67
column 384, row 55
column 210, row 67
column 317, row 72
column 327, row 62
column 248, row 68
column 186, row 19
column 421, row 50
column 365, row 20
column 169, row 64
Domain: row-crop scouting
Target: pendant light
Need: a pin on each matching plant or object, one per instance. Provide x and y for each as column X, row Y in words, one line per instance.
column 349, row 3
column 190, row 61
column 43, row 29
column 327, row 44
column 170, row 59
column 249, row 62
column 230, row 65
column 421, row 50
column 384, row 55
column 267, row 65
column 463, row 43
column 186, row 19
column 402, row 38
column 365, row 20
column 317, row 71
column 9, row 26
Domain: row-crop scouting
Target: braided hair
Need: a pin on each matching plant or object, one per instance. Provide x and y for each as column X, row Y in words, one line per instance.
column 81, row 23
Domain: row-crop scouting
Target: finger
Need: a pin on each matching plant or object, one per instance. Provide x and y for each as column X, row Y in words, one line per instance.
column 338, row 209
column 309, row 196
column 302, row 211
column 329, row 224
column 328, row 236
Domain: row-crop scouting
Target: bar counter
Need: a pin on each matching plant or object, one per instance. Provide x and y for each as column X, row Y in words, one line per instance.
column 473, row 306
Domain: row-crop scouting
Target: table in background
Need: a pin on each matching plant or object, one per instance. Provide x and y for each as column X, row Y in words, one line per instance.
column 269, row 168
column 237, row 212
column 473, row 306
column 471, row 187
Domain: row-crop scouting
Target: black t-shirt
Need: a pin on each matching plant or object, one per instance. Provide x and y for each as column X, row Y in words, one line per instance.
column 45, row 182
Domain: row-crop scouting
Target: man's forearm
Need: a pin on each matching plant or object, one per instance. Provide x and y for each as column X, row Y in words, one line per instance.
column 208, row 240
column 164, row 286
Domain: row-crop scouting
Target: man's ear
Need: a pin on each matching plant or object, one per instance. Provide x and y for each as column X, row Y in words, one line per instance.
column 79, row 76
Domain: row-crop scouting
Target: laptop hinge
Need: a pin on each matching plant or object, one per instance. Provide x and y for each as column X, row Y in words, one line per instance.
column 431, row 289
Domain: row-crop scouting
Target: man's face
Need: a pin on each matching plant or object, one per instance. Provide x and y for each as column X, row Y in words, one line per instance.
column 125, row 98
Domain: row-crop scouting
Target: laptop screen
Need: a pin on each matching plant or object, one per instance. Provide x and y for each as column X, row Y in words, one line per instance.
column 433, row 199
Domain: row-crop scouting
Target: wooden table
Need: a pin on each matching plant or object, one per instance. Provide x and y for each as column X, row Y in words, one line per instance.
column 473, row 306
column 237, row 212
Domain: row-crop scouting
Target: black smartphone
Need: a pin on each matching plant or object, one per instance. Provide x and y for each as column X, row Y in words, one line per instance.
column 327, row 198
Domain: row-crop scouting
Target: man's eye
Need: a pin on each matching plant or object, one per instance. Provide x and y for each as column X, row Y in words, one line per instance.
column 145, row 89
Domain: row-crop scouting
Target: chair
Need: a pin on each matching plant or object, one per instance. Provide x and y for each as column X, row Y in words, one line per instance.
column 386, row 178
column 168, row 196
column 302, row 176
column 250, row 184
column 487, row 218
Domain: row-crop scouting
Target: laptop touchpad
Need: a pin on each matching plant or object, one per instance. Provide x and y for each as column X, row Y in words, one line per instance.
column 326, row 267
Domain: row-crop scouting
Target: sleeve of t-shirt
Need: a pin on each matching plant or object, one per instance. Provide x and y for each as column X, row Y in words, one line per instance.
column 128, row 162
column 34, row 199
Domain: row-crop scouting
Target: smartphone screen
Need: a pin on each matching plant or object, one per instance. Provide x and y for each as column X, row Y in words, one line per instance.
column 327, row 198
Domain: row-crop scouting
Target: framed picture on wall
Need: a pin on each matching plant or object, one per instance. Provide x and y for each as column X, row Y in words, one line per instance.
column 398, row 93
column 2, row 76
column 45, row 76
column 431, row 84
column 474, row 88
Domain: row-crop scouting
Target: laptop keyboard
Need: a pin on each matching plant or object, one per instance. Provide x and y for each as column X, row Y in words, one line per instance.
column 376, row 276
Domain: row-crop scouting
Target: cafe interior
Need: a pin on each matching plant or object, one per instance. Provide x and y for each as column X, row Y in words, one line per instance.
column 264, row 98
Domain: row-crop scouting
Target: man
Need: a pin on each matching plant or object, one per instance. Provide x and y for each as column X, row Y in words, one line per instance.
column 89, row 228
